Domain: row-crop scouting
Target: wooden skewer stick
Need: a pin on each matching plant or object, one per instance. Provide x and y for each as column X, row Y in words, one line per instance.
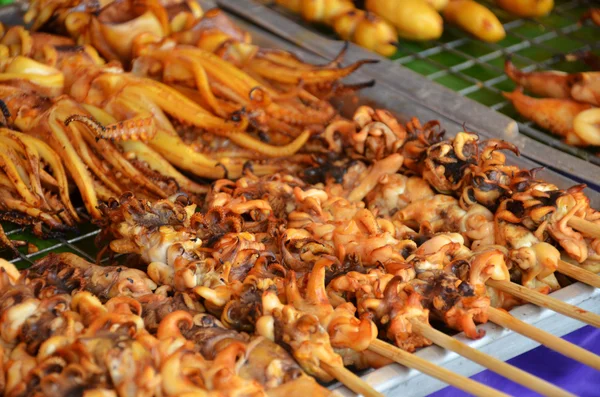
column 585, row 227
column 350, row 380
column 410, row 360
column 500, row 367
column 579, row 274
column 542, row 300
column 504, row 319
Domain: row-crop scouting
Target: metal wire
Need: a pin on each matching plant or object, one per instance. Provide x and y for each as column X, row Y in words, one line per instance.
column 71, row 243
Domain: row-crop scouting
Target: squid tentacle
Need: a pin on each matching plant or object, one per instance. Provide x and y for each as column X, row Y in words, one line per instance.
column 143, row 129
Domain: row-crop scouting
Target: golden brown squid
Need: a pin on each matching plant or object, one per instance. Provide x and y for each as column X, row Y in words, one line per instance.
column 28, row 187
column 556, row 115
column 581, row 87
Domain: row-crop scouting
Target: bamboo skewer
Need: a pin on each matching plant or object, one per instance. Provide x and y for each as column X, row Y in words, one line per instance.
column 500, row 367
column 410, row 360
column 585, row 227
column 350, row 380
column 542, row 300
column 553, row 342
column 579, row 274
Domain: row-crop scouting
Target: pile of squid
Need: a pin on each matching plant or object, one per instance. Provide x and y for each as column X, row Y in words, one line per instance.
column 71, row 328
column 262, row 237
column 182, row 97
column 568, row 105
column 252, row 290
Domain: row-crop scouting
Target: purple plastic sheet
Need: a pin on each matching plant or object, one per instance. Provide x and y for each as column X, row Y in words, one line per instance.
column 564, row 372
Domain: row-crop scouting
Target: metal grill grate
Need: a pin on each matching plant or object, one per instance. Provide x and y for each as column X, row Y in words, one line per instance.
column 475, row 69
column 81, row 244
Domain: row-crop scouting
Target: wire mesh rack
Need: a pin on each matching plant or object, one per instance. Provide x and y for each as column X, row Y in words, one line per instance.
column 81, row 243
column 475, row 69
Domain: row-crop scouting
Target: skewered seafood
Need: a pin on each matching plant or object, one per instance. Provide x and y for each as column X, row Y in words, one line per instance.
column 154, row 343
column 459, row 309
column 321, row 262
column 475, row 221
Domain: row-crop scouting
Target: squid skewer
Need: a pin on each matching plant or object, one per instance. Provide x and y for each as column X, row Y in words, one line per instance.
column 312, row 303
column 316, row 301
column 476, row 224
column 400, row 317
column 173, row 317
column 488, row 180
column 343, row 332
column 561, row 264
column 479, row 178
column 61, row 266
column 67, row 262
column 504, row 319
column 77, row 331
column 505, row 285
column 247, row 223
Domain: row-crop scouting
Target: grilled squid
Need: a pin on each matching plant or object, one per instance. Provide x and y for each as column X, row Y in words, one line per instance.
column 581, row 87
column 555, row 115
column 134, row 129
